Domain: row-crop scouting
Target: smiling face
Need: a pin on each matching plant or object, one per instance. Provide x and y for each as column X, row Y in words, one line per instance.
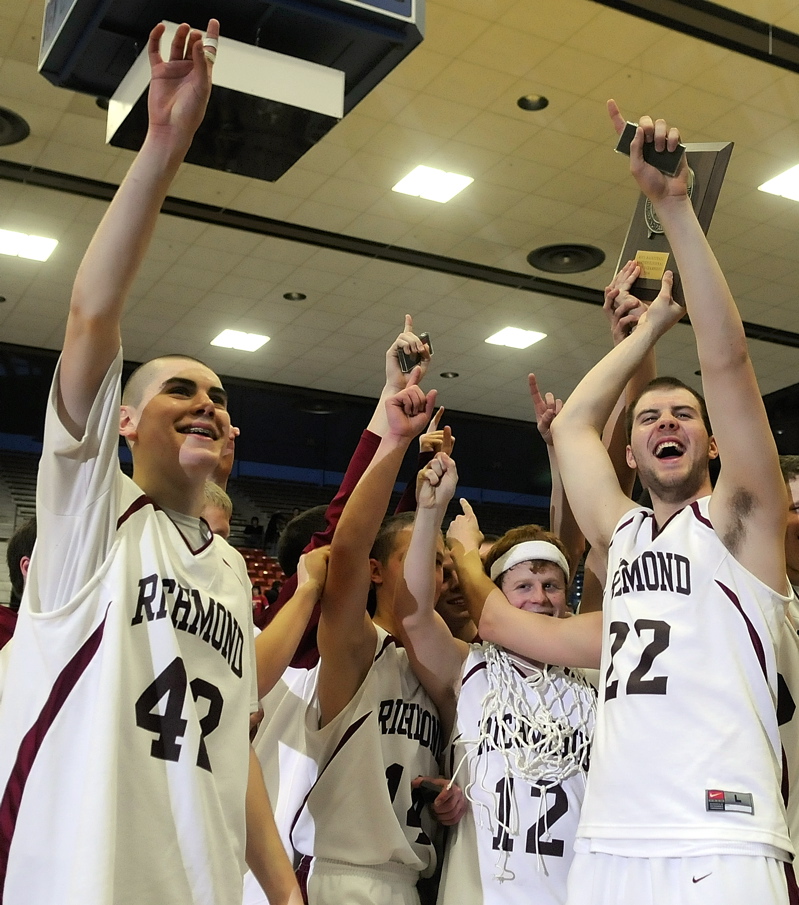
column 670, row 446
column 536, row 586
column 179, row 419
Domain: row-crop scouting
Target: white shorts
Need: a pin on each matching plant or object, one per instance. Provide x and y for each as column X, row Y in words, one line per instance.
column 600, row 879
column 338, row 883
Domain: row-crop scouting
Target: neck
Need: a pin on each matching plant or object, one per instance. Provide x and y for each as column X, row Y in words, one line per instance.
column 186, row 496
column 666, row 504
column 384, row 617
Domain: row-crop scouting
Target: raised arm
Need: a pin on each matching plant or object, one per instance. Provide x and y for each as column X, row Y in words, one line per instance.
column 561, row 518
column 276, row 644
column 748, row 504
column 436, row 657
column 623, row 311
column 346, row 634
column 178, row 95
column 588, row 476
column 307, row 654
column 575, row 641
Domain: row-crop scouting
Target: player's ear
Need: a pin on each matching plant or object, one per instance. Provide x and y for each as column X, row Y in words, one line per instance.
column 24, row 565
column 376, row 571
column 629, row 457
column 128, row 422
column 713, row 450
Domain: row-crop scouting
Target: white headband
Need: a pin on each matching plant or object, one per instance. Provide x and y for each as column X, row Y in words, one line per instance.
column 531, row 549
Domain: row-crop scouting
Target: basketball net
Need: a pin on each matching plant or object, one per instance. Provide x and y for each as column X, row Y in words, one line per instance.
column 540, row 721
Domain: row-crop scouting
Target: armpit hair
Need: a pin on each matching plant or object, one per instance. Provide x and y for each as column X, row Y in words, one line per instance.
column 742, row 505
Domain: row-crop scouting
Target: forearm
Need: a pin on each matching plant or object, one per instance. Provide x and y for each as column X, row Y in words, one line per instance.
column 561, row 518
column 591, row 403
column 475, row 585
column 420, row 565
column 717, row 324
column 367, row 506
column 265, row 854
column 277, row 643
column 118, row 247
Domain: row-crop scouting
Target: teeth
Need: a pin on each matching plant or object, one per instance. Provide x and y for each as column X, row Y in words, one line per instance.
column 201, row 431
column 663, row 447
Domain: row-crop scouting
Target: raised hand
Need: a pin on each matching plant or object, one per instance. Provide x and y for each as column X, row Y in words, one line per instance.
column 180, row 86
column 436, row 483
column 410, row 344
column 622, row 308
column 546, row 407
column 663, row 313
column 313, row 567
column 654, row 184
column 409, row 410
column 435, row 440
column 464, row 529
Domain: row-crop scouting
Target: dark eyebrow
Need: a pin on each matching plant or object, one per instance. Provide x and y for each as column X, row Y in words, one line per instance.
column 676, row 408
column 216, row 393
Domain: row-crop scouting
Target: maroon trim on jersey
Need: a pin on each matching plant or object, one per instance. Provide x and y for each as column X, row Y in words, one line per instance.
column 696, row 511
column 757, row 644
column 301, row 873
column 656, row 531
column 790, row 882
column 33, row 740
column 351, row 730
column 387, row 642
column 144, row 500
column 135, row 506
column 785, row 785
column 472, row 671
column 621, row 527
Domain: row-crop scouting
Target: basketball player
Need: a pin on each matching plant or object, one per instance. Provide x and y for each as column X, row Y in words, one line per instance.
column 289, row 639
column 373, row 729
column 125, row 764
column 522, row 730
column 683, row 801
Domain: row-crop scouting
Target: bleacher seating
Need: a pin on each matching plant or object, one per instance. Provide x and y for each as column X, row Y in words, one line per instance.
column 251, row 496
column 263, row 570
column 18, row 473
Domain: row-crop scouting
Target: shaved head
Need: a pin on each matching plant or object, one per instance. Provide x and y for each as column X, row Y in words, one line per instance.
column 142, row 377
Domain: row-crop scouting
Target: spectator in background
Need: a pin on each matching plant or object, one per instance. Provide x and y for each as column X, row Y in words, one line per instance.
column 18, row 557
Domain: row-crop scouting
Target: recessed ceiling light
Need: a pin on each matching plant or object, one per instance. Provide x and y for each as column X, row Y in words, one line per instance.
column 294, row 296
column 450, row 374
column 13, row 127
column 432, row 184
column 37, row 248
column 244, row 342
column 566, row 257
column 533, row 102
column 786, row 184
column 515, row 338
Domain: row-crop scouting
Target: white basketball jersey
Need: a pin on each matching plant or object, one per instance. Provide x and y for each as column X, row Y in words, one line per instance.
column 124, row 720
column 787, row 715
column 289, row 771
column 686, row 757
column 360, row 809
column 484, row 864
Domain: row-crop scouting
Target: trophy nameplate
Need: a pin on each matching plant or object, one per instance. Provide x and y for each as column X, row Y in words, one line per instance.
column 645, row 241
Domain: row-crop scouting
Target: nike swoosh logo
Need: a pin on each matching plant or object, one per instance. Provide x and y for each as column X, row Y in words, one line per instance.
column 699, row 879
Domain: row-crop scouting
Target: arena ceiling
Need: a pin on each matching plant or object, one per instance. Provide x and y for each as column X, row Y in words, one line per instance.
column 364, row 256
